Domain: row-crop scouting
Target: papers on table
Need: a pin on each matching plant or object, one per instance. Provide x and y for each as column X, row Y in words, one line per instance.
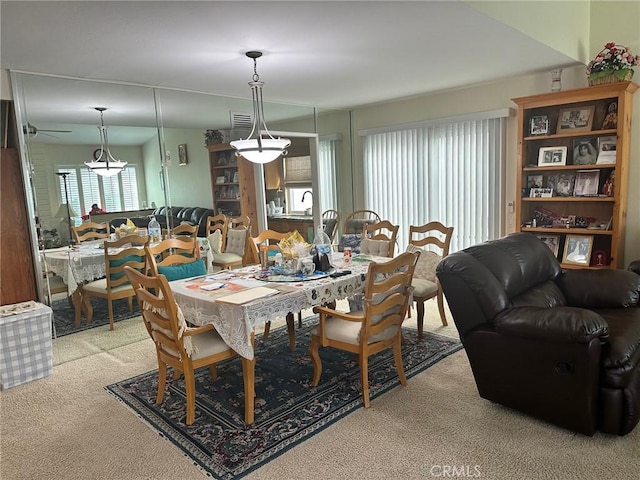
column 248, row 295
column 212, row 286
column 248, row 282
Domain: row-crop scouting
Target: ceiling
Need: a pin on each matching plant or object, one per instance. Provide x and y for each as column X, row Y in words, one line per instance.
column 333, row 55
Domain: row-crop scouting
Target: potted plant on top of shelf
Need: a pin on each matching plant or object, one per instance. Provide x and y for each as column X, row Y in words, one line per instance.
column 612, row 64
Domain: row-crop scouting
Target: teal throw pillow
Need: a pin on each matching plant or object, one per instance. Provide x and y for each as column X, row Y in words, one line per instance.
column 183, row 270
column 123, row 260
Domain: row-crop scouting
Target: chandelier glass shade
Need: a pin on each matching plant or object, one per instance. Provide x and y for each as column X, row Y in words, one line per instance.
column 260, row 146
column 104, row 163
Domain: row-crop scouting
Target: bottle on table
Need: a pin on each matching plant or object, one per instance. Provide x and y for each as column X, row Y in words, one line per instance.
column 154, row 230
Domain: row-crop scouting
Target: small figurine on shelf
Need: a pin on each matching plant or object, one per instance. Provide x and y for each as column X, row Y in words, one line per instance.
column 607, row 188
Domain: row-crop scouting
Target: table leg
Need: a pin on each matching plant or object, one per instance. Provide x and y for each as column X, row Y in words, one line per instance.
column 76, row 298
column 249, row 377
column 291, row 332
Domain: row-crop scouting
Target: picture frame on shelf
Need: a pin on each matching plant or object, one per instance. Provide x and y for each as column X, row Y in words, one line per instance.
column 552, row 156
column 607, row 150
column 220, row 179
column 539, row 125
column 600, row 258
column 562, row 184
column 182, row 155
column 575, row 119
column 610, row 120
column 222, row 159
column 577, row 250
column 236, row 177
column 534, row 181
column 585, row 151
column 541, row 193
column 587, row 182
column 551, row 241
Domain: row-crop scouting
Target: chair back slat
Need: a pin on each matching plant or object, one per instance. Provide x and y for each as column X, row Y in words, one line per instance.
column 431, row 234
column 172, row 251
column 383, row 231
column 125, row 251
column 90, row 231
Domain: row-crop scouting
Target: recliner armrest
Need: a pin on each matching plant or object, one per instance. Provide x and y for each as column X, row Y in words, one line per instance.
column 604, row 288
column 556, row 324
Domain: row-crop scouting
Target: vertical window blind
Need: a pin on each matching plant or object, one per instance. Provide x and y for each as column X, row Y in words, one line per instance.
column 452, row 173
column 327, row 174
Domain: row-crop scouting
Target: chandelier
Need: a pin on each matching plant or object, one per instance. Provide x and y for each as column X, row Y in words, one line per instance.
column 259, row 147
column 104, row 163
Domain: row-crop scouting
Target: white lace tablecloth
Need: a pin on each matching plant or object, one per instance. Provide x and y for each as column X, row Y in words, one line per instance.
column 236, row 322
column 76, row 267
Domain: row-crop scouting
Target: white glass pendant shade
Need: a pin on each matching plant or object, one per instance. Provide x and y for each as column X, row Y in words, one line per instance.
column 258, row 147
column 268, row 150
column 105, row 164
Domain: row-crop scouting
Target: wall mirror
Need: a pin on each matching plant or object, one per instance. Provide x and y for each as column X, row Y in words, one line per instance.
column 146, row 125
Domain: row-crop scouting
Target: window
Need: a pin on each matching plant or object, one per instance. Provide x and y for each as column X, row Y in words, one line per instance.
column 113, row 194
column 452, row 173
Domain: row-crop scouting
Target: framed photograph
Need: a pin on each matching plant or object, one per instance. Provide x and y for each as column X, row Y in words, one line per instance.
column 236, row 177
column 222, row 159
column 577, row 249
column 607, row 149
column 182, row 154
column 587, row 182
column 552, row 156
column 600, row 258
column 541, row 193
column 539, row 125
column 562, row 184
column 585, row 151
column 610, row 120
column 551, row 241
column 534, row 181
column 576, row 119
column 220, row 179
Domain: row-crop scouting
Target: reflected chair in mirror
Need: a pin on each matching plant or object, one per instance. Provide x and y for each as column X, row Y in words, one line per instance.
column 270, row 238
column 377, row 327
column 432, row 242
column 126, row 251
column 88, row 231
column 231, row 248
column 183, row 230
column 351, row 234
column 175, row 258
column 331, row 220
column 180, row 346
column 217, row 223
column 379, row 239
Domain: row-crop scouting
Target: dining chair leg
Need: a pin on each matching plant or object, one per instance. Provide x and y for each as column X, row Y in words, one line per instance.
column 420, row 321
column 314, row 348
column 110, row 309
column 267, row 328
column 190, row 385
column 162, row 381
column 364, row 378
column 86, row 306
column 299, row 319
column 397, row 355
column 213, row 371
column 443, row 317
column 76, row 301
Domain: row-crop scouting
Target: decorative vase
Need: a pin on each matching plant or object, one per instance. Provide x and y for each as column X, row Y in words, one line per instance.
column 610, row 76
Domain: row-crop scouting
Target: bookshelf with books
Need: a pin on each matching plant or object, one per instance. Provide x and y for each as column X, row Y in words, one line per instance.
column 573, row 157
column 232, row 183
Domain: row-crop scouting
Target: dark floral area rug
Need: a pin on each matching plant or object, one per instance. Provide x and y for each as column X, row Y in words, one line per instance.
column 287, row 409
column 64, row 315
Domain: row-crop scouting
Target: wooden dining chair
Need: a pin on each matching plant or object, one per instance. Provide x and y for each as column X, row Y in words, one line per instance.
column 180, row 346
column 377, row 327
column 172, row 252
column 379, row 239
column 183, row 230
column 234, row 248
column 351, row 235
column 270, row 238
column 432, row 241
column 331, row 221
column 125, row 251
column 88, row 231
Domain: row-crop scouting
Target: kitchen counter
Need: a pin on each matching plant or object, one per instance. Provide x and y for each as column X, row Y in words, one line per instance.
column 288, row 223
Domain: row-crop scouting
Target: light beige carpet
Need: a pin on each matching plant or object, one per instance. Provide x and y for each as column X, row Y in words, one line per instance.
column 67, row 427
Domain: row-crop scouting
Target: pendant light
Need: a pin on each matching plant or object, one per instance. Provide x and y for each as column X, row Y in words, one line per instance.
column 104, row 163
column 259, row 147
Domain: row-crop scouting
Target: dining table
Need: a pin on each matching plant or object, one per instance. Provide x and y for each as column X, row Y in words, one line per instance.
column 76, row 266
column 237, row 301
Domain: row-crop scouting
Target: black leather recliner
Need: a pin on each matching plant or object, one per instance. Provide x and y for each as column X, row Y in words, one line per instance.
column 560, row 346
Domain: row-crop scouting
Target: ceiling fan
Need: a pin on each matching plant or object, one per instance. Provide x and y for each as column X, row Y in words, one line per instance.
column 31, row 130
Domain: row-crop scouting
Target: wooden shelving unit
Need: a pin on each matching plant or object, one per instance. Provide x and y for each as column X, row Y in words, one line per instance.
column 554, row 215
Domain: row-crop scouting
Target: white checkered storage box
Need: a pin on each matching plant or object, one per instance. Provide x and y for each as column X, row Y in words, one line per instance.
column 25, row 343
